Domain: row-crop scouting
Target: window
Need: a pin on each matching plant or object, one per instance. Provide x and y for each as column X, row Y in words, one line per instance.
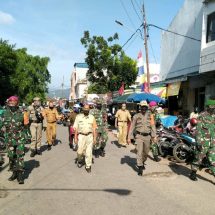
column 211, row 28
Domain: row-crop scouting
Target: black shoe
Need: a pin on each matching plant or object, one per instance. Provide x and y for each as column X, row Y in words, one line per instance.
column 88, row 170
column 20, row 177
column 156, row 158
column 39, row 152
column 49, row 147
column 33, row 153
column 80, row 164
column 140, row 170
column 102, row 153
column 193, row 176
column 13, row 176
column 96, row 152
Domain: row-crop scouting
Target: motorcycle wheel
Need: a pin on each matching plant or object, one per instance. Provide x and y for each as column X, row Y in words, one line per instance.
column 163, row 148
column 180, row 153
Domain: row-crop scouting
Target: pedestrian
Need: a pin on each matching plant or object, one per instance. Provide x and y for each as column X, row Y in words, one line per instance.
column 36, row 117
column 102, row 135
column 72, row 116
column 51, row 116
column 154, row 146
column 122, row 118
column 143, row 124
column 85, row 136
column 205, row 138
column 14, row 122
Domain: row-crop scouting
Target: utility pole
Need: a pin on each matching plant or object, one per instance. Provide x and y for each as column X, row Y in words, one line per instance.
column 146, row 46
column 62, row 87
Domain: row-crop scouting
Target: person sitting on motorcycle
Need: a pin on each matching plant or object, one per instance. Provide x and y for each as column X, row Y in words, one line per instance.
column 191, row 127
column 195, row 113
column 179, row 124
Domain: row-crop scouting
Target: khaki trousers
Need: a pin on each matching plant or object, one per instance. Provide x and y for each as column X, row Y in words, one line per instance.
column 51, row 133
column 85, row 147
column 123, row 131
column 36, row 135
column 143, row 148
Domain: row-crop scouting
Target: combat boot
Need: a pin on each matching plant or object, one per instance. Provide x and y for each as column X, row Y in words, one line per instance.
column 49, row 147
column 88, row 169
column 140, row 170
column 156, row 158
column 39, row 152
column 96, row 152
column 20, row 177
column 193, row 176
column 33, row 153
column 13, row 176
column 102, row 152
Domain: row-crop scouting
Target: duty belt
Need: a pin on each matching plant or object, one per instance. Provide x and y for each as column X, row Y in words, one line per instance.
column 86, row 133
column 35, row 121
column 143, row 134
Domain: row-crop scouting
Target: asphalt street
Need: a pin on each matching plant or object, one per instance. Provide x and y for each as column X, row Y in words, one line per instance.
column 54, row 185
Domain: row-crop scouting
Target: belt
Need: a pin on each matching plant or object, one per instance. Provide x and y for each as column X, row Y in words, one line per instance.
column 143, row 134
column 86, row 133
column 35, row 121
column 123, row 121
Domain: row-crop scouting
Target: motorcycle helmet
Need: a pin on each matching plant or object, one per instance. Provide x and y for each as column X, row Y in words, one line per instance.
column 193, row 121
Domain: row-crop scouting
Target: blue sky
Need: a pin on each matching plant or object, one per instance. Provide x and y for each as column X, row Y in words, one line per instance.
column 53, row 28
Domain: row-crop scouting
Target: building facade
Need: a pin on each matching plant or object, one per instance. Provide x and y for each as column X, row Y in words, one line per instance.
column 190, row 59
column 79, row 82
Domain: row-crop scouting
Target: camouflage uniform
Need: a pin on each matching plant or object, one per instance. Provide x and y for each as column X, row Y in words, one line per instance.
column 205, row 138
column 102, row 137
column 14, row 137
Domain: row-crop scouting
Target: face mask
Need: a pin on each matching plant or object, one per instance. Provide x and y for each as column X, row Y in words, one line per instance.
column 99, row 107
column 143, row 109
column 86, row 112
column 51, row 108
column 13, row 108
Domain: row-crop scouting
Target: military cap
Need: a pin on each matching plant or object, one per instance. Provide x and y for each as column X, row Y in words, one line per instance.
column 144, row 103
column 36, row 99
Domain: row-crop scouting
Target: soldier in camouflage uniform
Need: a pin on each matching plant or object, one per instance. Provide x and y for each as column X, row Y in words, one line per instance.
column 102, row 136
column 154, row 146
column 14, row 122
column 205, row 138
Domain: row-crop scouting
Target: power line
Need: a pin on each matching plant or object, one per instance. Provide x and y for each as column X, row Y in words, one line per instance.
column 153, row 53
column 182, row 35
column 136, row 11
column 127, row 13
column 131, row 42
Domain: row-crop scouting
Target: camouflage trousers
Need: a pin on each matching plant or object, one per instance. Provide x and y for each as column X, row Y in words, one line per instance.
column 206, row 151
column 101, row 141
column 154, row 148
column 16, row 156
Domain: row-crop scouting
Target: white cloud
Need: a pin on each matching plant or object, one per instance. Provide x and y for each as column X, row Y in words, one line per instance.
column 6, row 18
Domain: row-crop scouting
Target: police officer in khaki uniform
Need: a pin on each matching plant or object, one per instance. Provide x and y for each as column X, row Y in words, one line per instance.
column 51, row 116
column 121, row 122
column 35, row 112
column 145, row 131
column 85, row 136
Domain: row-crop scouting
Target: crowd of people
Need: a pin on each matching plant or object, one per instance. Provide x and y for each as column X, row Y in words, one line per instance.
column 88, row 133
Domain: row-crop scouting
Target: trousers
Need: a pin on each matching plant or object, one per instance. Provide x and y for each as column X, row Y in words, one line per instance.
column 85, row 147
column 123, row 131
column 36, row 135
column 51, row 133
column 143, row 147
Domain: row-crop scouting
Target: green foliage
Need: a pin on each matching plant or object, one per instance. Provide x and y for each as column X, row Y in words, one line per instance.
column 108, row 64
column 25, row 75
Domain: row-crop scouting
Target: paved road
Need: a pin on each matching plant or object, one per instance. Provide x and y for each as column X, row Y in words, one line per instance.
column 54, row 185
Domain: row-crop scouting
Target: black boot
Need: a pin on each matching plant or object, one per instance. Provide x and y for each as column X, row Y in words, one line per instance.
column 39, row 152
column 88, row 169
column 140, row 170
column 102, row 152
column 193, row 176
column 156, row 158
column 20, row 177
column 49, row 147
column 33, row 153
column 13, row 176
column 96, row 151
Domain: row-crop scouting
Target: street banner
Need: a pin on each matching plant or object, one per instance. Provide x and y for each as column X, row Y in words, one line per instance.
column 159, row 91
column 173, row 89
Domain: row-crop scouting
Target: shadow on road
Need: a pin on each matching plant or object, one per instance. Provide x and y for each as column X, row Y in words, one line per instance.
column 120, row 192
column 130, row 162
column 183, row 170
column 29, row 166
column 116, row 143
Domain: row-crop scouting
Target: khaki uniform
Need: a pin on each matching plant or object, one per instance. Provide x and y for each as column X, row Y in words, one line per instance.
column 51, row 116
column 35, row 127
column 123, row 116
column 144, row 127
column 85, row 125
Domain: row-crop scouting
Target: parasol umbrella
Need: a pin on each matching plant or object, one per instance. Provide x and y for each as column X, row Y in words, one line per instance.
column 138, row 97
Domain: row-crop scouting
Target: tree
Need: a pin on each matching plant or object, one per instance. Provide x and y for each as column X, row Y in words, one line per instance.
column 109, row 66
column 8, row 63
